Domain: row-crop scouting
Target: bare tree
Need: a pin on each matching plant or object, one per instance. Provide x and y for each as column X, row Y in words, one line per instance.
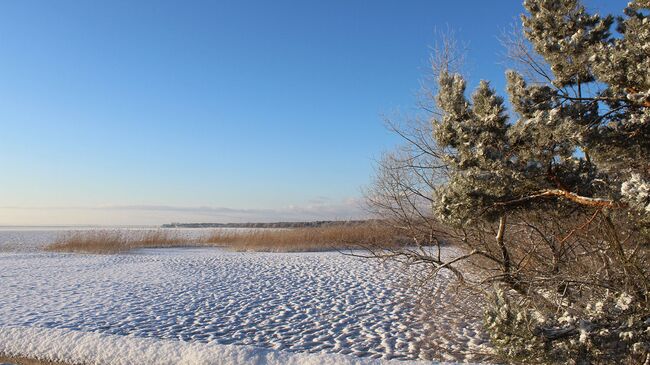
column 548, row 214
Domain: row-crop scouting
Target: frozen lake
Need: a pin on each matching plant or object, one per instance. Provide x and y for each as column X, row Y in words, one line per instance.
column 322, row 302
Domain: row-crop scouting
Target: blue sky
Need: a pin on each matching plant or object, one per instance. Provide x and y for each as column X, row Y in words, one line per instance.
column 145, row 112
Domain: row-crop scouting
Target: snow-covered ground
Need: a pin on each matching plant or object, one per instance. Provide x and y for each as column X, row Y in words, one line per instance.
column 195, row 304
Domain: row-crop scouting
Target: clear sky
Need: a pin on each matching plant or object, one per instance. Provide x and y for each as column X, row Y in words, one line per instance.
column 151, row 111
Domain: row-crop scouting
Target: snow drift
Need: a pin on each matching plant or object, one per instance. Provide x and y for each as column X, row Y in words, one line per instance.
column 98, row 348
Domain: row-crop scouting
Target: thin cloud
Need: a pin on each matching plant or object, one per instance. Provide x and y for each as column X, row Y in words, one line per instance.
column 317, row 209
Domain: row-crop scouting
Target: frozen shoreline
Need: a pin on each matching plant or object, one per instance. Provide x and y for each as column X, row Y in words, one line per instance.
column 305, row 303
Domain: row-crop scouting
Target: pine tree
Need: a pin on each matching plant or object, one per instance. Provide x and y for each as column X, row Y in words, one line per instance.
column 575, row 148
column 550, row 200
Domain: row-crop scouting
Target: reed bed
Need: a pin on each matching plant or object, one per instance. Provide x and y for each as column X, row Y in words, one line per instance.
column 305, row 239
column 115, row 241
column 271, row 240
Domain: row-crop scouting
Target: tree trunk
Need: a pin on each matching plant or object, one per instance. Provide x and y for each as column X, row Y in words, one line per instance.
column 504, row 250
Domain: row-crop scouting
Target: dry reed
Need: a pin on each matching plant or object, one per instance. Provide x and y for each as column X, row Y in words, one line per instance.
column 114, row 241
column 305, row 239
column 275, row 240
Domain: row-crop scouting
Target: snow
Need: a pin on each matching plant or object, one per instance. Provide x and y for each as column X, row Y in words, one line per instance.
column 98, row 348
column 190, row 305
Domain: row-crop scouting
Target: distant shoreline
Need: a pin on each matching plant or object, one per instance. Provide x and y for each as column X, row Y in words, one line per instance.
column 266, row 225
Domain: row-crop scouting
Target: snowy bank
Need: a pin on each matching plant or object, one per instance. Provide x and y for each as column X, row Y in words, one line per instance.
column 98, row 348
column 322, row 302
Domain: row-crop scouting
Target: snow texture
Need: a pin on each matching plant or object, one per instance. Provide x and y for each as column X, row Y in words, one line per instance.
column 97, row 348
column 192, row 302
